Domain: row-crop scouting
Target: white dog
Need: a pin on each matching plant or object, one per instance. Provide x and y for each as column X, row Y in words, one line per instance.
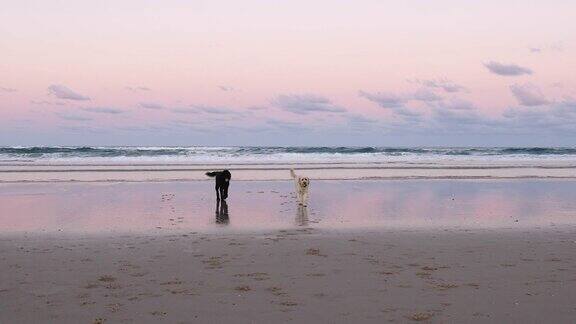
column 302, row 185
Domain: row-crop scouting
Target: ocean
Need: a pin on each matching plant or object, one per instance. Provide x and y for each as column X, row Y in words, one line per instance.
column 258, row 155
column 130, row 163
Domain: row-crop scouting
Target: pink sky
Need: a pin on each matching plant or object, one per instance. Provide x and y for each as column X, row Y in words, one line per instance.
column 302, row 63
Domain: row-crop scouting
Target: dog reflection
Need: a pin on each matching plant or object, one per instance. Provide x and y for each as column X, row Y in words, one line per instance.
column 222, row 212
column 302, row 216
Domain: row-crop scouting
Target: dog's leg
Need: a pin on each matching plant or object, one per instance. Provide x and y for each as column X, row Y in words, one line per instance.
column 305, row 199
column 217, row 193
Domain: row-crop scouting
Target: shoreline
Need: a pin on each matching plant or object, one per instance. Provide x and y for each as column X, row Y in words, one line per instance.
column 375, row 179
column 321, row 170
column 15, row 176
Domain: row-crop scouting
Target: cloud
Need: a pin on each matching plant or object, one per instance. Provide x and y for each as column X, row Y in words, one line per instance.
column 456, row 118
column 103, row 110
column 457, row 104
column 210, row 110
column 71, row 116
column 83, row 129
column 506, row 69
column 257, row 108
column 149, row 128
column 528, row 94
column 425, row 95
column 558, row 47
column 218, row 110
column 391, row 100
column 3, row 89
column 226, row 88
column 184, row 111
column 443, row 84
column 569, row 101
column 287, row 125
column 356, row 123
column 446, row 121
column 384, row 99
column 45, row 102
column 63, row 92
column 306, row 103
column 151, row 105
column 557, row 85
column 552, row 118
column 138, row 88
column 408, row 114
column 251, row 128
column 396, row 103
column 359, row 119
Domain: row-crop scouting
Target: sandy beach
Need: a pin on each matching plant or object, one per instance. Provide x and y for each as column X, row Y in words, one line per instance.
column 301, row 276
column 380, row 161
column 363, row 251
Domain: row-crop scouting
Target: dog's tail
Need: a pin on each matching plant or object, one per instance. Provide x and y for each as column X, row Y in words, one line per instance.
column 292, row 173
column 212, row 174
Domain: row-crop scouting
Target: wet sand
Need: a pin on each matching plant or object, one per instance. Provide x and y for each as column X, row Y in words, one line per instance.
column 11, row 172
column 255, row 206
column 439, row 252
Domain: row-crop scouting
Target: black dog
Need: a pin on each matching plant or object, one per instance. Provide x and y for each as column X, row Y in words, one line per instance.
column 222, row 182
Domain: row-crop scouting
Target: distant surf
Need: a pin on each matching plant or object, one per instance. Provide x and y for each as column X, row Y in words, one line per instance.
column 252, row 154
column 148, row 164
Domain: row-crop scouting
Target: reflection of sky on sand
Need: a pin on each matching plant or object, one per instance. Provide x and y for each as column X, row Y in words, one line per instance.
column 189, row 206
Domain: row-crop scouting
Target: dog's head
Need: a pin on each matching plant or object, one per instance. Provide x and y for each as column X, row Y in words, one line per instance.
column 304, row 182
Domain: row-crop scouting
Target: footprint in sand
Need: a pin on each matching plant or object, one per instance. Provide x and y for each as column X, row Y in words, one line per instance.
column 315, row 252
column 243, row 288
column 106, row 278
column 172, row 282
column 258, row 276
column 214, row 263
column 276, row 291
column 315, row 275
column 418, row 317
column 113, row 307
column 424, row 274
column 446, row 286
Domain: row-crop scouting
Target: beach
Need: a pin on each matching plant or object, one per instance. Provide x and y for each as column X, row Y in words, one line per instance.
column 302, row 276
column 135, row 235
column 432, row 251
column 258, row 161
